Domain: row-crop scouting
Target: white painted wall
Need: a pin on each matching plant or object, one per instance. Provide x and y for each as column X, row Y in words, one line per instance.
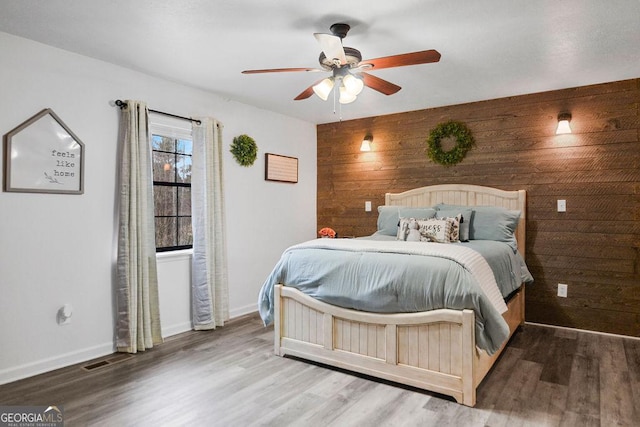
column 57, row 249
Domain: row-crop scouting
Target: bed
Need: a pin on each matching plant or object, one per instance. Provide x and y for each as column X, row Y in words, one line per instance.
column 437, row 349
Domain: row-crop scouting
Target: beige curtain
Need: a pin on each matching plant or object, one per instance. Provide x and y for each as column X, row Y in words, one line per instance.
column 138, row 314
column 209, row 287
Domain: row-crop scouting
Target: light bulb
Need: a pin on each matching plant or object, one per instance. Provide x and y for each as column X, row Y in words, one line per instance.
column 345, row 96
column 563, row 127
column 323, row 89
column 353, row 84
column 563, row 124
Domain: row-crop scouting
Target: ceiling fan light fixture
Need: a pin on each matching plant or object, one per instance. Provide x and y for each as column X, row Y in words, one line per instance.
column 346, row 97
column 323, row 89
column 340, row 60
column 353, row 84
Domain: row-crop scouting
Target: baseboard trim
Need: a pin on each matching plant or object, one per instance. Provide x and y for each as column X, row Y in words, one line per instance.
column 188, row 326
column 607, row 334
column 251, row 308
column 50, row 364
column 176, row 329
column 64, row 360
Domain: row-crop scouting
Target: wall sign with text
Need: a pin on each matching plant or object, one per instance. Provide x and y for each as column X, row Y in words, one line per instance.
column 43, row 155
column 280, row 168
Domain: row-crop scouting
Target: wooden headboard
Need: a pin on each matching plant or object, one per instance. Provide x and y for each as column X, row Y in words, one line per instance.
column 467, row 195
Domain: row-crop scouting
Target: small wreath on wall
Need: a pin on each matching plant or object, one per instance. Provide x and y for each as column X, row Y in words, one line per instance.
column 244, row 150
column 464, row 142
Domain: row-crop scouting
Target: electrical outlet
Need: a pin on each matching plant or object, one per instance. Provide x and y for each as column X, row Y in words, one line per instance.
column 562, row 290
column 562, row 205
column 64, row 314
column 367, row 206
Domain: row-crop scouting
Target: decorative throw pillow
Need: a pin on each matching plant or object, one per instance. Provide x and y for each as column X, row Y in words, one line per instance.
column 454, row 227
column 408, row 230
column 440, row 230
column 466, row 217
column 435, row 230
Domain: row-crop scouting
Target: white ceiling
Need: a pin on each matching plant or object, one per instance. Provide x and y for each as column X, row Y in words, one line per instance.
column 490, row 48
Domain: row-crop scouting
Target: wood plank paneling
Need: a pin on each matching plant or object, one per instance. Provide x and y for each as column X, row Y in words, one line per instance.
column 594, row 247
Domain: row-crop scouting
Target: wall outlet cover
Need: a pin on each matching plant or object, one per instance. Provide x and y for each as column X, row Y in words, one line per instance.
column 562, row 290
column 562, row 205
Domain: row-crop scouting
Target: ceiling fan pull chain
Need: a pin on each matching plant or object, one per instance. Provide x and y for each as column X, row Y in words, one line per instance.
column 334, row 100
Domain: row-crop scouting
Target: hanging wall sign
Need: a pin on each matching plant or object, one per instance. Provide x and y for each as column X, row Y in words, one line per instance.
column 42, row 155
column 281, row 168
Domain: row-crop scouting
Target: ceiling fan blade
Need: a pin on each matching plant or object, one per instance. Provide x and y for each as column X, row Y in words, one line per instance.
column 279, row 70
column 414, row 58
column 331, row 46
column 376, row 83
column 307, row 92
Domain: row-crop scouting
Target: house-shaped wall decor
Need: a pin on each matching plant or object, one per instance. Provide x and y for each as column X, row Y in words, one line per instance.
column 43, row 155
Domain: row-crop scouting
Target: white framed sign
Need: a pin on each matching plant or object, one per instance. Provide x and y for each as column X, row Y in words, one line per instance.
column 43, row 155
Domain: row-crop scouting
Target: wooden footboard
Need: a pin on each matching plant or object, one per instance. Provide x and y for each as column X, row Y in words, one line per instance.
column 432, row 350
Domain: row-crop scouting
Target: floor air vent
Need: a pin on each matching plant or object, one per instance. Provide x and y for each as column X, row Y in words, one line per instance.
column 107, row 362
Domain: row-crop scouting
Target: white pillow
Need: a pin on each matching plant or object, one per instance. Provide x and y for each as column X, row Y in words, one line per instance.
column 442, row 230
column 408, row 230
column 435, row 230
column 455, row 227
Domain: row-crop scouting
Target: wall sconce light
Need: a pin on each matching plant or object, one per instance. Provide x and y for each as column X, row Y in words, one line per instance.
column 366, row 143
column 563, row 124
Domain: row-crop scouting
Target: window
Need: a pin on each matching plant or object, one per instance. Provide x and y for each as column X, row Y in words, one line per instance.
column 172, row 190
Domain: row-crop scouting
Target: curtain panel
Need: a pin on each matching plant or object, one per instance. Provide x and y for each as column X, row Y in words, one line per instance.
column 138, row 313
column 209, row 284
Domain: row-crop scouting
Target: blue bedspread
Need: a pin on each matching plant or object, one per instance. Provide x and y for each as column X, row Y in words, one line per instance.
column 389, row 282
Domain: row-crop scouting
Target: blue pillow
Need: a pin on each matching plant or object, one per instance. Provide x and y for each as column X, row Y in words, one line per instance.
column 490, row 223
column 389, row 217
column 417, row 213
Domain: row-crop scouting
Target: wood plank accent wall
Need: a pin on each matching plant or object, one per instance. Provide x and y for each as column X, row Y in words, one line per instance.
column 594, row 247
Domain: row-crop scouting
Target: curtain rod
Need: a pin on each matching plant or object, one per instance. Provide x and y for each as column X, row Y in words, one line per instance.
column 122, row 104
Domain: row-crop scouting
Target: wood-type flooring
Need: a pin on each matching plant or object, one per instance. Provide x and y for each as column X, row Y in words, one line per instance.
column 230, row 377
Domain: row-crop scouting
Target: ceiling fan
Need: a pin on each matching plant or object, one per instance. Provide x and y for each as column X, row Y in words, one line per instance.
column 349, row 71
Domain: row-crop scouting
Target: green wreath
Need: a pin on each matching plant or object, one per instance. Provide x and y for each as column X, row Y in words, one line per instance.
column 464, row 142
column 244, row 149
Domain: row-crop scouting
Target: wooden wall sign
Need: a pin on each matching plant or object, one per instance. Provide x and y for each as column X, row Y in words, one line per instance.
column 281, row 168
column 43, row 155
